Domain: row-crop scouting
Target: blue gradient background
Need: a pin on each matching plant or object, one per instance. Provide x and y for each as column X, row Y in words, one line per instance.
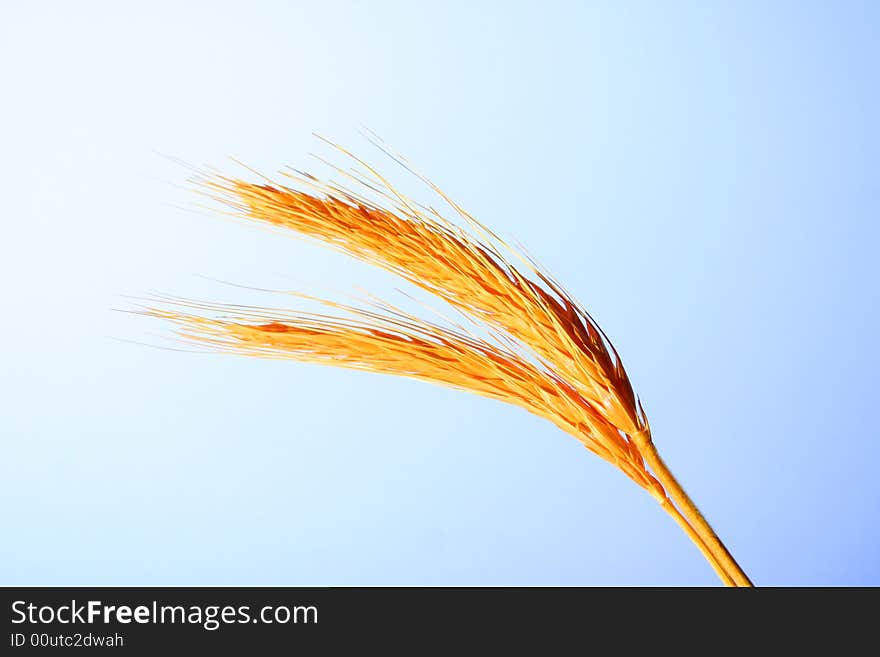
column 704, row 176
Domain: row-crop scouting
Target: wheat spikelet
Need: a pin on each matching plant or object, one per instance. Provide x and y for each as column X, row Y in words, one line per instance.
column 540, row 349
column 411, row 347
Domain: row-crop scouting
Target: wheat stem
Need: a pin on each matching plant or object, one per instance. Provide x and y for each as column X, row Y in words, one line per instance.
column 702, row 534
column 672, row 510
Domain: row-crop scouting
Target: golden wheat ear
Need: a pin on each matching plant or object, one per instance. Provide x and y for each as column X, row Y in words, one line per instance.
column 538, row 348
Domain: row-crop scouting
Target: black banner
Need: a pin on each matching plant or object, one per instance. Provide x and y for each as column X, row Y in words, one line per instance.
column 134, row 620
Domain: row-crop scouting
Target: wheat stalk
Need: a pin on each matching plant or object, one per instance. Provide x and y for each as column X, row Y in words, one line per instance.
column 538, row 348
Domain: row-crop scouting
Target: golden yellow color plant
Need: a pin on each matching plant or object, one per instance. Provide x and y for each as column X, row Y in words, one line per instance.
column 539, row 350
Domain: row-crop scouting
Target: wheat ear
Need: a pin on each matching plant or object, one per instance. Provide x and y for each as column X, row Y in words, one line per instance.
column 538, row 348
